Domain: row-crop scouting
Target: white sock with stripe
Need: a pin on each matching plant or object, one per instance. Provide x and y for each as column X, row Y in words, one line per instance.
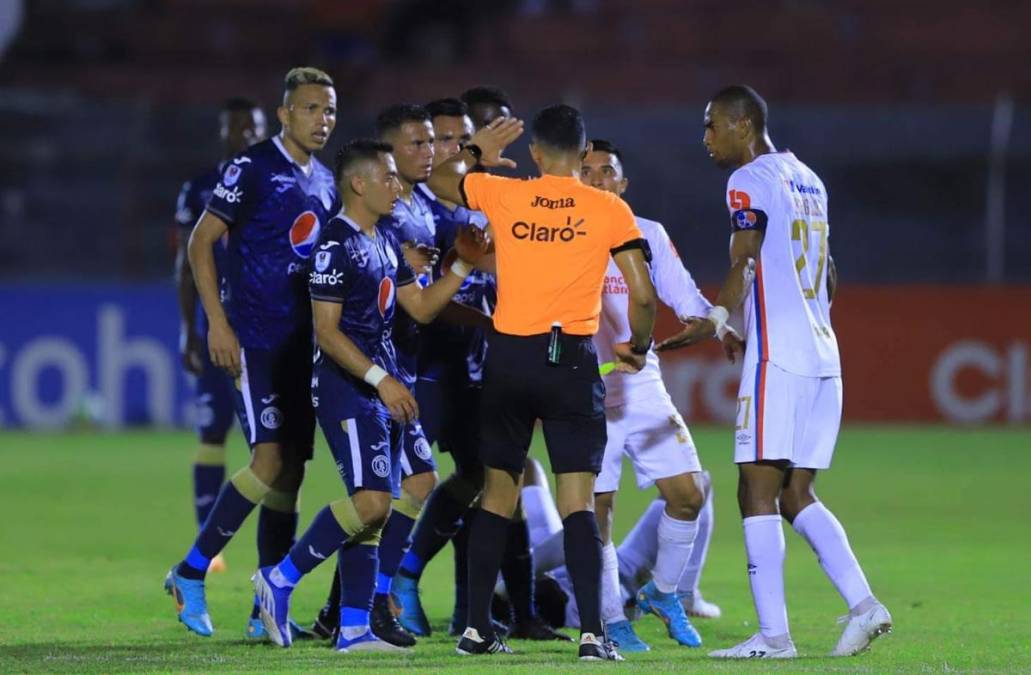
column 818, row 526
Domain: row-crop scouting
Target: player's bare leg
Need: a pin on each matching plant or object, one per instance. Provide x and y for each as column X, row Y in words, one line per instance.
column 867, row 618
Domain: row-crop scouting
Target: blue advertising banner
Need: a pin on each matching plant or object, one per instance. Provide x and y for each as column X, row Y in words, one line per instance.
column 101, row 354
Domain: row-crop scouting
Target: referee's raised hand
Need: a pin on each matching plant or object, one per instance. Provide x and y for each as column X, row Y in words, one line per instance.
column 494, row 138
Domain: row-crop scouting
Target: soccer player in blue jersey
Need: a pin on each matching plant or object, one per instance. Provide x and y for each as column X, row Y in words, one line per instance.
column 271, row 200
column 364, row 405
column 242, row 124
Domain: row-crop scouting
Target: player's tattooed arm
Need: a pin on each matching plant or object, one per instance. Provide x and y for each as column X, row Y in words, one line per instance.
column 223, row 346
column 489, row 142
column 189, row 344
column 346, row 354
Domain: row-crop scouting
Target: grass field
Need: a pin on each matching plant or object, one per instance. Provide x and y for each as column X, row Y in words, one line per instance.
column 938, row 518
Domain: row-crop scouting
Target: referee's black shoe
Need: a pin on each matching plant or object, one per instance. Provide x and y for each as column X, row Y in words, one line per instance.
column 385, row 625
column 472, row 644
column 593, row 648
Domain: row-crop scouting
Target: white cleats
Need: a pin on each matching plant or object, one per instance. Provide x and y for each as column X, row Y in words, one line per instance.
column 696, row 605
column 756, row 647
column 861, row 630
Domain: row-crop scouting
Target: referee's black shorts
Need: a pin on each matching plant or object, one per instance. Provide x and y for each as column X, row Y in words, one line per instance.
column 520, row 387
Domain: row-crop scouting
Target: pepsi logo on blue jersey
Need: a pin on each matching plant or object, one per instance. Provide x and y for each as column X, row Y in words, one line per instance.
column 193, row 196
column 411, row 222
column 362, row 273
column 275, row 211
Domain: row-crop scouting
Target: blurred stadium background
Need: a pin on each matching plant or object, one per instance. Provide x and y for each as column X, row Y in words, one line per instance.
column 916, row 114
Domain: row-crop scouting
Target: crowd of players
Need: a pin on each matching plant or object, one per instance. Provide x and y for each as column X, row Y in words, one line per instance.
column 288, row 257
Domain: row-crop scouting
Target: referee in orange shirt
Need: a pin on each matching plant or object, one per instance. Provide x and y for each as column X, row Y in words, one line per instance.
column 553, row 236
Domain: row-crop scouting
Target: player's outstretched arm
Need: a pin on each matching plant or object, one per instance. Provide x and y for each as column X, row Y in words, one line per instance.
column 832, row 279
column 744, row 250
column 223, row 346
column 489, row 142
column 641, row 309
column 424, row 304
column 345, row 353
column 186, row 294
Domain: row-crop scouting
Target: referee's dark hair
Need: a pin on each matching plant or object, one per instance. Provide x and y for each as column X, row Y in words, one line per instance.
column 601, row 145
column 358, row 150
column 559, row 127
column 393, row 117
column 741, row 101
column 447, row 107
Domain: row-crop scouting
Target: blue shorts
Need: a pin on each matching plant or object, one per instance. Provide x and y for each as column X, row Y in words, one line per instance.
column 273, row 399
column 365, row 442
column 214, row 400
column 449, row 413
column 416, row 455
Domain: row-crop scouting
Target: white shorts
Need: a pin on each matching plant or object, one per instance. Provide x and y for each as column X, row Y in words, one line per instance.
column 783, row 416
column 653, row 435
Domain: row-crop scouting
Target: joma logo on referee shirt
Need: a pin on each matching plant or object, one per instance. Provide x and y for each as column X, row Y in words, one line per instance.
column 535, row 232
column 545, row 203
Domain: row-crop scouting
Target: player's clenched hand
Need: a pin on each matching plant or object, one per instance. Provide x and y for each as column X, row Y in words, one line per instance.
column 733, row 345
column 695, row 330
column 398, row 399
column 421, row 257
column 494, row 138
column 224, row 348
column 471, row 244
column 626, row 360
column 193, row 357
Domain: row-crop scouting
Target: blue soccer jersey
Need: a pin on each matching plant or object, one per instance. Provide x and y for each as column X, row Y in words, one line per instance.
column 449, row 352
column 411, row 222
column 275, row 210
column 362, row 273
column 193, row 197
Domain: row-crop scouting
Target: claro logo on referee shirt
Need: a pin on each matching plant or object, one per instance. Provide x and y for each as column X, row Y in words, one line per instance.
column 546, row 233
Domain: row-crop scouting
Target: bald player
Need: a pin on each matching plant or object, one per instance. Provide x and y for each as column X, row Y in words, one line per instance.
column 789, row 402
column 553, row 238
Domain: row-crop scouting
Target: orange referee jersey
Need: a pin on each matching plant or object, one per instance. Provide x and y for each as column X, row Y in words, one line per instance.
column 552, row 237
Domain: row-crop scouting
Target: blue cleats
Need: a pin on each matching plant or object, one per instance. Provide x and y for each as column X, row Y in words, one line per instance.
column 622, row 633
column 274, row 606
column 364, row 642
column 190, row 603
column 413, row 618
column 667, row 607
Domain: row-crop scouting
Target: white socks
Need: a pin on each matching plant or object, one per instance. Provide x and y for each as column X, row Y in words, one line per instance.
column 764, row 546
column 827, row 537
column 676, row 539
column 550, row 553
column 611, row 596
column 693, row 571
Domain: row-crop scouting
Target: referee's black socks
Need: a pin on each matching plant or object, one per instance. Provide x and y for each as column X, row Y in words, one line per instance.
column 583, row 560
column 486, row 547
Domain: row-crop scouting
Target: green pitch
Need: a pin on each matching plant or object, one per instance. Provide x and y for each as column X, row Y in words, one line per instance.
column 938, row 518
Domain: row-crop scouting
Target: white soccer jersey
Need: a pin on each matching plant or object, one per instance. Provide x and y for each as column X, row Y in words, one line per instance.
column 674, row 286
column 787, row 314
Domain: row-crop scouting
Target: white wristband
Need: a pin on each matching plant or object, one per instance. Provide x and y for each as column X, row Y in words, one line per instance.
column 719, row 315
column 374, row 375
column 460, row 268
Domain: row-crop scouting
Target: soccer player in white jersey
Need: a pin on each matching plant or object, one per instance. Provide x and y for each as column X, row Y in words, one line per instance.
column 644, row 425
column 789, row 403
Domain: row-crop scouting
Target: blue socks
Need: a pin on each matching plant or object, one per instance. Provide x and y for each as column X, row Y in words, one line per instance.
column 228, row 514
column 358, row 565
column 391, row 549
column 207, row 481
